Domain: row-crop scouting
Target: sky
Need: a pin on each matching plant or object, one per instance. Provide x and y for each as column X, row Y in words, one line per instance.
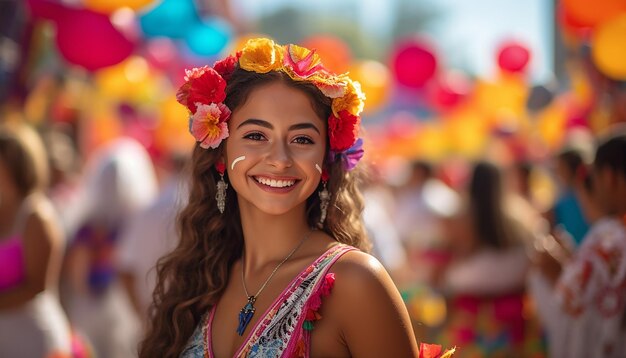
column 467, row 32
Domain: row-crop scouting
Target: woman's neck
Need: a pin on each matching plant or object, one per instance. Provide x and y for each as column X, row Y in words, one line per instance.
column 269, row 238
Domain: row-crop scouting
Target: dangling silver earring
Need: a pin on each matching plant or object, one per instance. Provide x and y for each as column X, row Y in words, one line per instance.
column 324, row 201
column 220, row 196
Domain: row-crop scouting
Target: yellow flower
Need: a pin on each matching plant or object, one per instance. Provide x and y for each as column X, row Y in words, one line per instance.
column 352, row 101
column 261, row 56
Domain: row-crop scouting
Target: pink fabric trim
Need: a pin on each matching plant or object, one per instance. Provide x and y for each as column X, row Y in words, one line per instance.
column 13, row 266
column 262, row 323
column 295, row 337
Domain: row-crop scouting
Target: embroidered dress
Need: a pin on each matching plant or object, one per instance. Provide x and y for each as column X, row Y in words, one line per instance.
column 285, row 328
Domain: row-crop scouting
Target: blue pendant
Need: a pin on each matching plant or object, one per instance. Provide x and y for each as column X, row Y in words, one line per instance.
column 245, row 315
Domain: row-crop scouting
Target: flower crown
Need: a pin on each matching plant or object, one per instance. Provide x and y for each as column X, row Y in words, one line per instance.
column 203, row 93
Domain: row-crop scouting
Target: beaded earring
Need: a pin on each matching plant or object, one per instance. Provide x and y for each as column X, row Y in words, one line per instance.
column 220, row 195
column 324, row 195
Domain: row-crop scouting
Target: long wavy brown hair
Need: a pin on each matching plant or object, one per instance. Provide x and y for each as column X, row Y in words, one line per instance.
column 193, row 276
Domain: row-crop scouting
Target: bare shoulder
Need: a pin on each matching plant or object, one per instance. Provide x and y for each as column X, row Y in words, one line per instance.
column 358, row 273
column 42, row 222
column 373, row 319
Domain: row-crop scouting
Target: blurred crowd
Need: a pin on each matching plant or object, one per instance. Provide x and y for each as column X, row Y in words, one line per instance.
column 501, row 214
column 484, row 262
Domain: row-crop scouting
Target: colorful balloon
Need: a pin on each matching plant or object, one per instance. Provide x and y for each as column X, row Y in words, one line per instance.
column 171, row 18
column 513, row 56
column 448, row 91
column 592, row 13
column 109, row 6
column 335, row 53
column 210, row 37
column 413, row 63
column 375, row 80
column 608, row 47
column 90, row 40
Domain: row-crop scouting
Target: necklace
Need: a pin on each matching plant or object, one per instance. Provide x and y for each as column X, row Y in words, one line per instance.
column 246, row 313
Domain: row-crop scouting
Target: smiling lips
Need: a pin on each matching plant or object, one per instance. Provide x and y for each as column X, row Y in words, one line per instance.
column 275, row 185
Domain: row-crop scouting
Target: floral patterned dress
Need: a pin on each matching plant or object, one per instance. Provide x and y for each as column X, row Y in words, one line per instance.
column 591, row 293
column 285, row 329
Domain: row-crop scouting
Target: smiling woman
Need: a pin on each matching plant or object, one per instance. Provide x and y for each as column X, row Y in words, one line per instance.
column 272, row 238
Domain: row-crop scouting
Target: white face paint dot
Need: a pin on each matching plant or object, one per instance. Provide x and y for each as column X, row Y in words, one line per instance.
column 317, row 166
column 237, row 160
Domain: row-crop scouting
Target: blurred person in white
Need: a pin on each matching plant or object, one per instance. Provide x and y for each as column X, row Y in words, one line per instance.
column 416, row 221
column 377, row 217
column 582, row 298
column 32, row 322
column 150, row 235
column 119, row 181
column 484, row 280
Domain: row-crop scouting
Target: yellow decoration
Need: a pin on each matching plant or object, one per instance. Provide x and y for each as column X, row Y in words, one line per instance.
column 608, row 47
column 171, row 134
column 261, row 55
column 468, row 132
column 130, row 81
column 551, row 125
column 375, row 80
column 507, row 94
column 109, row 6
column 352, row 101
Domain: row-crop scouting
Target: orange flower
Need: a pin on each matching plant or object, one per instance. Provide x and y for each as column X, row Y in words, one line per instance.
column 261, row 56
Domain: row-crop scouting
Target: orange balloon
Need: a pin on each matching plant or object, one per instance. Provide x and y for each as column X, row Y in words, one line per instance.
column 109, row 6
column 375, row 80
column 335, row 54
column 608, row 47
column 592, row 13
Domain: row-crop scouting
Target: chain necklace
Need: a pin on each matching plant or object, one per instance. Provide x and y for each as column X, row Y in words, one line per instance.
column 246, row 313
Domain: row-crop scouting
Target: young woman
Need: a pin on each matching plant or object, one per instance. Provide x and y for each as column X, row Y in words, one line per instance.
column 269, row 262
column 32, row 322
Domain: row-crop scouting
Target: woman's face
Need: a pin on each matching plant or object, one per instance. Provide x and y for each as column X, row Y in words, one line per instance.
column 275, row 149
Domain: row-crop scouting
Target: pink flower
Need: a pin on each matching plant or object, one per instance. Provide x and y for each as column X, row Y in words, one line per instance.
column 208, row 124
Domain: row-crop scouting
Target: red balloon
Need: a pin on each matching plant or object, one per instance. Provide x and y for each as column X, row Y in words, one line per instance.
column 90, row 40
column 513, row 57
column 413, row 63
column 448, row 91
column 46, row 9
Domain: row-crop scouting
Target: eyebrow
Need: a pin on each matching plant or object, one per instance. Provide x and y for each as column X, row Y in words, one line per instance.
column 268, row 125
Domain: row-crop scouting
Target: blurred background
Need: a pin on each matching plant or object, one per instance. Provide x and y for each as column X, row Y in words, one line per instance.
column 482, row 111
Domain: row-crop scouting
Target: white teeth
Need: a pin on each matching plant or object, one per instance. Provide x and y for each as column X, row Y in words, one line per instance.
column 275, row 183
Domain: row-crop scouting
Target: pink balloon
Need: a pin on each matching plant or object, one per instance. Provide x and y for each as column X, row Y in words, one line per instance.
column 413, row 63
column 90, row 40
column 46, row 9
column 513, row 57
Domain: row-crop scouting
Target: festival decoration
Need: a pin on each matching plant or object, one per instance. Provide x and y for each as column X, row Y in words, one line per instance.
column 413, row 62
column 608, row 47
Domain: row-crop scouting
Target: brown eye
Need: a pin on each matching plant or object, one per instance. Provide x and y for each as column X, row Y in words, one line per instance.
column 303, row 140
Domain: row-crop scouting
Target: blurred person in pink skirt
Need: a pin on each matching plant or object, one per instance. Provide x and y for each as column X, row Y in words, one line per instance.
column 32, row 322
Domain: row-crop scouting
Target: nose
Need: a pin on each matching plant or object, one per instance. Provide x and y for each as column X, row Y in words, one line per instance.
column 279, row 155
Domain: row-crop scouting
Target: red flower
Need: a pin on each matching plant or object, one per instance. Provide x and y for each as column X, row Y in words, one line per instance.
column 207, row 88
column 226, row 67
column 327, row 285
column 429, row 350
column 342, row 131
